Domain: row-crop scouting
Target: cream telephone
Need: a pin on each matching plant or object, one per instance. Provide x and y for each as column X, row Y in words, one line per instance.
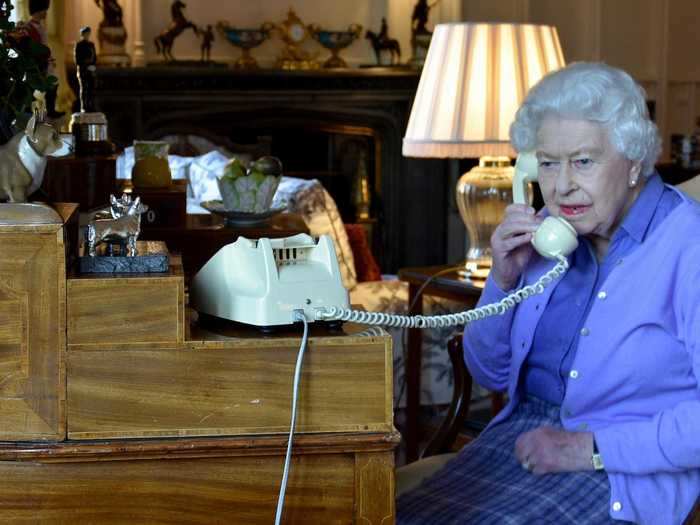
column 555, row 236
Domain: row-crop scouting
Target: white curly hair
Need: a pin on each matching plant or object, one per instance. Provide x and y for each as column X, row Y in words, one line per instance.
column 598, row 93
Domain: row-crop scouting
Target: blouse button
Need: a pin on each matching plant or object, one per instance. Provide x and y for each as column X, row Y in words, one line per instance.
column 602, row 295
column 617, row 506
column 585, row 331
column 573, row 374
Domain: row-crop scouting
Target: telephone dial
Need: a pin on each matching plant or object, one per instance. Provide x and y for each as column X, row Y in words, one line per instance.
column 270, row 282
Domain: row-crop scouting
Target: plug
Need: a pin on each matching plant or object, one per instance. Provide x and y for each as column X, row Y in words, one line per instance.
column 298, row 315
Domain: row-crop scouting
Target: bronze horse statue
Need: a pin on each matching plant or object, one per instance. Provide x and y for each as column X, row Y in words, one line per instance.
column 164, row 41
column 380, row 44
column 112, row 13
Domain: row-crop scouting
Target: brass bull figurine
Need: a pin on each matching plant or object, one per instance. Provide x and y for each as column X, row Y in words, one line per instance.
column 123, row 227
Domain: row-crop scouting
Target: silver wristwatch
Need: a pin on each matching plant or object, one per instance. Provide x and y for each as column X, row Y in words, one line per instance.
column 596, row 458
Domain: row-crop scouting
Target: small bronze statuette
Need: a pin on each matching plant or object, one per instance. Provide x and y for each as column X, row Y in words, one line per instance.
column 112, row 35
column 420, row 35
column 164, row 41
column 381, row 42
column 85, row 60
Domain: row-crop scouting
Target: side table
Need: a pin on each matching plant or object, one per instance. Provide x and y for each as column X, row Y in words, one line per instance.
column 450, row 286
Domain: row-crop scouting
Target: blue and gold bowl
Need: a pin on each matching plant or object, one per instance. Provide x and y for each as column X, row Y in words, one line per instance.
column 334, row 41
column 245, row 39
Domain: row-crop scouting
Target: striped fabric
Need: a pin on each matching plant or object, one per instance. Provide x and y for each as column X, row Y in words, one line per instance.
column 486, row 485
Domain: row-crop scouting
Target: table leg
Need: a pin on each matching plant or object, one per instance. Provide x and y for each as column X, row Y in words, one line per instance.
column 412, row 374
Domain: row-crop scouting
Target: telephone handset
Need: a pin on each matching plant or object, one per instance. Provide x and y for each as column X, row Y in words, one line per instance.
column 555, row 236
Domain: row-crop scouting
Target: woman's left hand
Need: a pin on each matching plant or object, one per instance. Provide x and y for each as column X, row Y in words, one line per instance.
column 547, row 449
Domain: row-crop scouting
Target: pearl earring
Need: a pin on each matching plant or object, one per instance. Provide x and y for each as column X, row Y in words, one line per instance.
column 633, row 183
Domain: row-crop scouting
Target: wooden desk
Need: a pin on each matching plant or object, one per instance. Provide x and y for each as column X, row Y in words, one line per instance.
column 449, row 286
column 118, row 406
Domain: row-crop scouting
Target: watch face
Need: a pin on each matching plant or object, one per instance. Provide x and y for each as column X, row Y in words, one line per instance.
column 296, row 32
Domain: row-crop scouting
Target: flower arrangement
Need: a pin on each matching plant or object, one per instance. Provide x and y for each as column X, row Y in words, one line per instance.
column 21, row 71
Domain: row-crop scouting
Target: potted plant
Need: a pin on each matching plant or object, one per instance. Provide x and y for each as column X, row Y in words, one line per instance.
column 20, row 72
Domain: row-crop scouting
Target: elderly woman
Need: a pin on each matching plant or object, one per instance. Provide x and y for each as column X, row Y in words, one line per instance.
column 601, row 370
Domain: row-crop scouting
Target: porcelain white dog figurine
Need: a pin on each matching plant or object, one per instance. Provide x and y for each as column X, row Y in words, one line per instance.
column 23, row 160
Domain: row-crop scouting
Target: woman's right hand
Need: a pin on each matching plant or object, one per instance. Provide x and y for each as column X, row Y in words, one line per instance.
column 510, row 244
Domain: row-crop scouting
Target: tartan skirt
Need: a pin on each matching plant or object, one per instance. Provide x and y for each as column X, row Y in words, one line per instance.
column 484, row 484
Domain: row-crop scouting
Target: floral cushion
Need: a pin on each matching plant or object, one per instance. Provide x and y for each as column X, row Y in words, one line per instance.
column 310, row 199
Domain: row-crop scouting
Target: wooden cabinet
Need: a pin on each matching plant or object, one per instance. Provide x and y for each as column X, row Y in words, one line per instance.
column 33, row 329
column 86, row 180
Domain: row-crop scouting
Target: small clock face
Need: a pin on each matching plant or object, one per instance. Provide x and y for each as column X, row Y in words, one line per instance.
column 296, row 32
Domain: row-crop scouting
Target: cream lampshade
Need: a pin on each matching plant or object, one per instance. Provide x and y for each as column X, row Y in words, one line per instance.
column 474, row 78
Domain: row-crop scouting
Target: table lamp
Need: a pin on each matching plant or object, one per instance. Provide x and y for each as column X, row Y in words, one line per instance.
column 474, row 78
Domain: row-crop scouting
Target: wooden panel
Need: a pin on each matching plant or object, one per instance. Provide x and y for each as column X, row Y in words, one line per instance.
column 238, row 387
column 683, row 41
column 626, row 21
column 139, row 309
column 216, row 490
column 32, row 332
column 224, row 480
column 371, row 471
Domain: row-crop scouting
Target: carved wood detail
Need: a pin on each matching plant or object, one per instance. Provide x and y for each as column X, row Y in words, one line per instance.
column 371, row 471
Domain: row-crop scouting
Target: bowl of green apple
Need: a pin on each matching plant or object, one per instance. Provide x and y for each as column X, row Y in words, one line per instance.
column 247, row 192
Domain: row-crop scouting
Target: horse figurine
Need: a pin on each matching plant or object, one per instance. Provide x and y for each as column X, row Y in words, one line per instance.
column 123, row 229
column 164, row 41
column 380, row 44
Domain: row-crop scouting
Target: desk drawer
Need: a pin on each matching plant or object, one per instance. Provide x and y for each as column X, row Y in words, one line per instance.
column 125, row 309
column 234, row 387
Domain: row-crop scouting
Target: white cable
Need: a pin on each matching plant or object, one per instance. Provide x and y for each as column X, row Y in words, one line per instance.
column 298, row 316
column 334, row 313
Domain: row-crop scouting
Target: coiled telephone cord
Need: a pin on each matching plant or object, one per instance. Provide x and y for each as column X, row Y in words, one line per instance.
column 334, row 313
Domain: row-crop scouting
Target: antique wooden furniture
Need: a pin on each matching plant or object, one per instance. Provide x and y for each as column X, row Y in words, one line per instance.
column 85, row 180
column 450, row 286
column 119, row 405
column 167, row 207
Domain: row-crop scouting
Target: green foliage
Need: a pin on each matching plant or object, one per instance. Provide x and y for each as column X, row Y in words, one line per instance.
column 21, row 71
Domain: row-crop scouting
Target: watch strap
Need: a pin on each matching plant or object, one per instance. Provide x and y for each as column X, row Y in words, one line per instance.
column 596, row 458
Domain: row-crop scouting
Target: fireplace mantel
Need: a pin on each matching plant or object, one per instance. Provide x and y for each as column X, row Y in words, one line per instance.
column 150, row 102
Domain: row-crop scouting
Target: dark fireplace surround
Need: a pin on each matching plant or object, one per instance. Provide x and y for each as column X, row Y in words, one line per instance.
column 311, row 120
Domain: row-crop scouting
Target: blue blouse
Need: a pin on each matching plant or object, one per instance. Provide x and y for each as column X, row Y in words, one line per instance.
column 548, row 365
